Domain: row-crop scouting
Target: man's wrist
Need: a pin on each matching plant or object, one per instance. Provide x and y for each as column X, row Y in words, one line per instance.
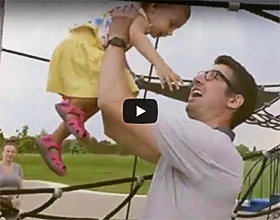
column 120, row 29
column 111, row 47
column 117, row 42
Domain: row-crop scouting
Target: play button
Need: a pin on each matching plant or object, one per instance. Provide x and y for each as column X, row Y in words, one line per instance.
column 140, row 111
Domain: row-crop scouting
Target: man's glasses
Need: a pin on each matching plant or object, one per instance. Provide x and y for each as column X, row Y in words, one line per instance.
column 214, row 74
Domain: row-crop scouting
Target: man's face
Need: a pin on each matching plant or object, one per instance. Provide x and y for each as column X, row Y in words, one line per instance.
column 209, row 97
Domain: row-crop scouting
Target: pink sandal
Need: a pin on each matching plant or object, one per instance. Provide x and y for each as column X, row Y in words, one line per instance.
column 74, row 124
column 52, row 158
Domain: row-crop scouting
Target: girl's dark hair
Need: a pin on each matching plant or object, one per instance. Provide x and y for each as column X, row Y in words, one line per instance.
column 10, row 141
column 146, row 5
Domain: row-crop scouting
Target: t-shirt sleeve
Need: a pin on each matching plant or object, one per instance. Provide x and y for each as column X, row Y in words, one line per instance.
column 188, row 145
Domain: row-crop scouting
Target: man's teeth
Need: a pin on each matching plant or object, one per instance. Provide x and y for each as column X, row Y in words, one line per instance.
column 197, row 93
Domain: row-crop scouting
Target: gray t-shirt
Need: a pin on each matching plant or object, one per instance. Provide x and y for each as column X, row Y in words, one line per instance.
column 198, row 175
column 11, row 180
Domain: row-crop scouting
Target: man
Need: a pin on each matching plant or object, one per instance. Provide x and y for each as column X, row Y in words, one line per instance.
column 199, row 171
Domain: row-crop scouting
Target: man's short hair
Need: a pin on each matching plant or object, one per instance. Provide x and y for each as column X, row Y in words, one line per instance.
column 247, row 86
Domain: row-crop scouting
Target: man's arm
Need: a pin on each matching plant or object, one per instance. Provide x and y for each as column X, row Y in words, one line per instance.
column 138, row 139
column 128, row 67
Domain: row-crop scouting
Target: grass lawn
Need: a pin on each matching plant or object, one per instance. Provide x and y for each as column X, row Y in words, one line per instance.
column 90, row 168
column 265, row 184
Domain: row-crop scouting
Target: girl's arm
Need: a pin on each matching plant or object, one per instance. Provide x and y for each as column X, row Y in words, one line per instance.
column 141, row 42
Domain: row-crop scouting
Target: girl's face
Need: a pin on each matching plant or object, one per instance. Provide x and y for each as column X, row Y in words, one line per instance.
column 164, row 20
column 8, row 153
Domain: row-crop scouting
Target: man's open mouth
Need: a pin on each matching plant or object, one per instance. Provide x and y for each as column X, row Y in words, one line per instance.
column 196, row 93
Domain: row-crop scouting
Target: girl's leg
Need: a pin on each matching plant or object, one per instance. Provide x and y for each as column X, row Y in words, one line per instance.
column 61, row 133
column 73, row 71
column 74, row 112
column 50, row 146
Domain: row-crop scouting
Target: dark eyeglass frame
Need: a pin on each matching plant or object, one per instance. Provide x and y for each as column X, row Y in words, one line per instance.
column 208, row 77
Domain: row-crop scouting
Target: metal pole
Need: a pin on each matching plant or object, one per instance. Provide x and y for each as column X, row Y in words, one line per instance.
column 2, row 14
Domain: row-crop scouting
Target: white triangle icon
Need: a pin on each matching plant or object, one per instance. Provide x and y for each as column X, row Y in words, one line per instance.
column 139, row 111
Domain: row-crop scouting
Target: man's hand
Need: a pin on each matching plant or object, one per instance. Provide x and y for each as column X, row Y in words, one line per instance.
column 122, row 18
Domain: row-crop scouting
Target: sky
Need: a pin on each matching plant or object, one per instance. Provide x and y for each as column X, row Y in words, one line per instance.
column 37, row 27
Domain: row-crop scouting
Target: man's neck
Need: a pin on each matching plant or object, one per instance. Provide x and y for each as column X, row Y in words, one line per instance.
column 217, row 123
column 223, row 126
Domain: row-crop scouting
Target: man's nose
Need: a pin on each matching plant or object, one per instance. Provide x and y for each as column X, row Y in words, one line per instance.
column 198, row 80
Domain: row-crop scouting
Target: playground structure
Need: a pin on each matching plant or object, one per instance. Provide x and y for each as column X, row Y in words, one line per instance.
column 246, row 205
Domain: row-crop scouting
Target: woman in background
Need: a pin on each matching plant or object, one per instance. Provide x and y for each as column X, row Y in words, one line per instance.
column 11, row 176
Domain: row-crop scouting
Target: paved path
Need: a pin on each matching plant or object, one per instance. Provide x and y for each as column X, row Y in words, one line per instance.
column 84, row 203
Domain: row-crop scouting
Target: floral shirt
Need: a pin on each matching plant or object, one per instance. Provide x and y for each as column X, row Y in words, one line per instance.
column 102, row 25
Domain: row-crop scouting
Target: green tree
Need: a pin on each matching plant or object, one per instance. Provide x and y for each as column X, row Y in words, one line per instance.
column 23, row 133
column 75, row 148
column 2, row 138
column 26, row 143
column 42, row 133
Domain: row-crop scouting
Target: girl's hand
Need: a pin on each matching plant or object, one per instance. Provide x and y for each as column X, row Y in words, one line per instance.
column 167, row 75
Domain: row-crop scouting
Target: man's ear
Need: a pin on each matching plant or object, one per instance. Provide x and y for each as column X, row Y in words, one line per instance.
column 152, row 7
column 235, row 102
